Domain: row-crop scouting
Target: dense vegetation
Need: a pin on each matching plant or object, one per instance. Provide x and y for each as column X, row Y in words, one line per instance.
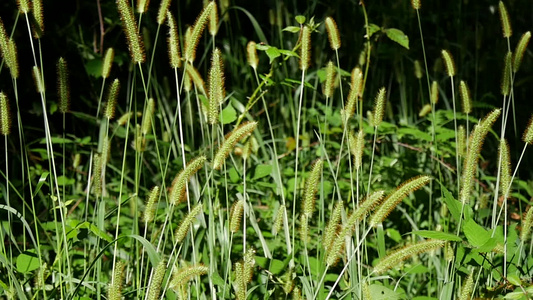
column 285, row 150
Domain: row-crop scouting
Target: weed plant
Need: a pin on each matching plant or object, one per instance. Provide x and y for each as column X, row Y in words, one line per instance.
column 285, row 152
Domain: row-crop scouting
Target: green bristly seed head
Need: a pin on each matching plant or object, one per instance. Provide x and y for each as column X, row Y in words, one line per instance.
column 527, row 221
column 114, row 290
column 179, row 185
column 38, row 79
column 466, row 100
column 24, row 6
column 5, row 115
column 333, row 226
column 365, row 207
column 217, row 90
column 461, row 141
column 475, row 143
column 213, row 20
column 468, row 287
column 506, row 22
column 196, row 33
column 129, row 25
column 357, row 143
column 304, row 228
column 416, row 4
column 108, row 62
column 448, row 62
column 162, row 12
column 147, row 116
column 333, row 33
column 151, row 202
column 232, row 138
column 37, row 12
column 398, row 256
column 505, row 175
column 11, row 59
column 311, row 188
column 396, row 197
column 520, row 49
column 329, row 83
column 185, row 274
column 157, row 280
column 305, row 48
column 251, row 55
column 173, row 42
column 196, row 78
column 418, row 70
column 426, row 109
column 278, row 221
column 434, row 92
column 528, row 133
column 63, row 90
column 506, row 74
column 379, row 107
column 237, row 210
column 112, row 95
column 142, row 6
column 183, row 229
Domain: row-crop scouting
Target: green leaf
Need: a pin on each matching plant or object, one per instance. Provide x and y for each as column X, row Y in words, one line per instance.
column 228, row 114
column 233, row 175
column 398, row 36
column 487, row 247
column 453, row 205
column 416, row 133
column 394, row 234
column 292, row 29
column 373, row 28
column 300, row 19
column 379, row 292
column 476, row 235
column 437, row 235
column 424, row 298
column 272, row 53
column 262, row 171
column 27, row 262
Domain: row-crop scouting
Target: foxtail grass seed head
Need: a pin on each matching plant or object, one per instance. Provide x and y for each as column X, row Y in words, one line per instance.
column 335, row 250
column 520, row 49
column 305, row 48
column 183, row 229
column 112, row 95
column 248, row 265
column 178, row 191
column 157, row 280
column 357, row 81
column 379, row 107
column 466, row 100
column 197, row 79
column 108, row 62
column 162, row 13
column 311, row 188
column 173, row 42
column 12, row 59
column 213, row 20
column 231, row 139
column 461, row 141
column 395, row 258
column 186, row 274
column 124, row 119
column 448, row 62
column 416, row 4
column 434, row 92
column 37, row 11
column 426, row 109
column 5, row 115
column 97, row 175
column 151, row 205
column 506, row 22
column 468, row 287
column 505, row 179
column 528, row 133
column 38, row 79
column 24, row 6
column 139, row 143
column 333, row 33
column 304, row 228
column 396, row 197
column 356, row 86
column 237, row 210
column 278, row 220
column 418, row 70
column 142, row 6
column 475, row 143
column 114, row 290
column 251, row 55
column 63, row 88
column 357, row 144
column 329, row 83
column 129, row 25
column 527, row 221
column 333, row 226
column 365, row 206
column 506, row 74
column 196, row 33
column 147, row 116
column 217, row 91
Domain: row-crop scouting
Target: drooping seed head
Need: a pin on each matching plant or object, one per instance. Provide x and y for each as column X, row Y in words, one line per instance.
column 365, row 206
column 231, row 139
column 379, row 107
column 185, row 225
column 311, row 188
column 251, row 55
column 196, row 33
column 329, row 83
column 305, row 48
column 5, row 115
column 434, row 92
column 506, row 22
column 186, row 274
column 528, row 133
column 11, row 58
column 162, row 12
column 505, row 175
column 520, row 49
column 173, row 42
column 142, row 6
column 108, row 62
column 217, row 90
column 151, row 203
column 63, row 90
column 398, row 256
column 506, row 74
column 331, row 229
column 426, row 109
column 129, row 24
column 333, row 33
column 112, row 95
column 237, row 210
column 38, row 79
column 466, row 100
column 448, row 62
column 178, row 191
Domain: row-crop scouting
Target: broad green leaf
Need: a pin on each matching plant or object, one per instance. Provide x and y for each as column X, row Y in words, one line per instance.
column 394, row 234
column 272, row 53
column 476, row 235
column 514, row 279
column 486, row 247
column 398, row 36
column 287, row 52
column 63, row 180
column 27, row 262
column 228, row 114
column 262, row 171
column 373, row 28
column 233, row 175
column 292, row 29
column 453, row 205
column 379, row 292
column 437, row 235
column 415, row 132
column 300, row 19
